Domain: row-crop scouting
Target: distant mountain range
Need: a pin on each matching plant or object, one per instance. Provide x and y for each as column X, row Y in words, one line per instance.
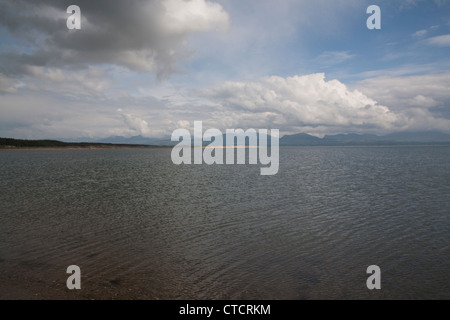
column 166, row 141
column 304, row 139
column 353, row 139
column 300, row 139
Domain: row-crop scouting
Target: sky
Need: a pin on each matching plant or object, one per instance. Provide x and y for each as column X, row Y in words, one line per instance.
column 148, row 67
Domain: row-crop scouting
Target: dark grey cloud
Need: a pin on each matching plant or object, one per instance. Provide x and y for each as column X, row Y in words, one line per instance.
column 145, row 36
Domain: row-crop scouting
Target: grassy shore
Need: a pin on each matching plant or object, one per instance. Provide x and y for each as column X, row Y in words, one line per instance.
column 17, row 144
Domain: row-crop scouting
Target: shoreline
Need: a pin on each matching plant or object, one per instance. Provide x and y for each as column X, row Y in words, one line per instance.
column 81, row 148
column 13, row 148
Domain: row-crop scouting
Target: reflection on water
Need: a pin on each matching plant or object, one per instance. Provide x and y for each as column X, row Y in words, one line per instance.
column 141, row 227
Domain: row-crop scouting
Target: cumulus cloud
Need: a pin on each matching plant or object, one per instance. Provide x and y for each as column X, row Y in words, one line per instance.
column 56, row 82
column 300, row 102
column 307, row 103
column 422, row 101
column 140, row 35
column 136, row 124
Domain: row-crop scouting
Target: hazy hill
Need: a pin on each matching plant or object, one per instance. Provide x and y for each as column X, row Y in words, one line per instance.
column 161, row 141
column 409, row 138
column 299, row 139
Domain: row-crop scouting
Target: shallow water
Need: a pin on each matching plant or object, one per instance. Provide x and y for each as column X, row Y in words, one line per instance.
column 141, row 227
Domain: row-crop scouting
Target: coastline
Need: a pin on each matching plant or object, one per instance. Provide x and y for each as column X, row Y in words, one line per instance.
column 80, row 148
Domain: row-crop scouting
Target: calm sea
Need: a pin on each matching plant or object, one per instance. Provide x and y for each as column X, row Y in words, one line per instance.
column 140, row 227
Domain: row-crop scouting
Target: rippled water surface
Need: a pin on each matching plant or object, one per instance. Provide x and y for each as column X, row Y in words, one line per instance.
column 141, row 227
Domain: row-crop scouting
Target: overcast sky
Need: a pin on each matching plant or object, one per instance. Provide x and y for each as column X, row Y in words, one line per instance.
column 141, row 67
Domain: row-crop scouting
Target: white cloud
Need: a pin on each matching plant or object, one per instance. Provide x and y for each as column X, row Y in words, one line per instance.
column 136, row 124
column 422, row 101
column 307, row 103
column 334, row 57
column 397, row 91
column 420, row 33
column 299, row 102
column 413, row 3
column 183, row 17
column 440, row 41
